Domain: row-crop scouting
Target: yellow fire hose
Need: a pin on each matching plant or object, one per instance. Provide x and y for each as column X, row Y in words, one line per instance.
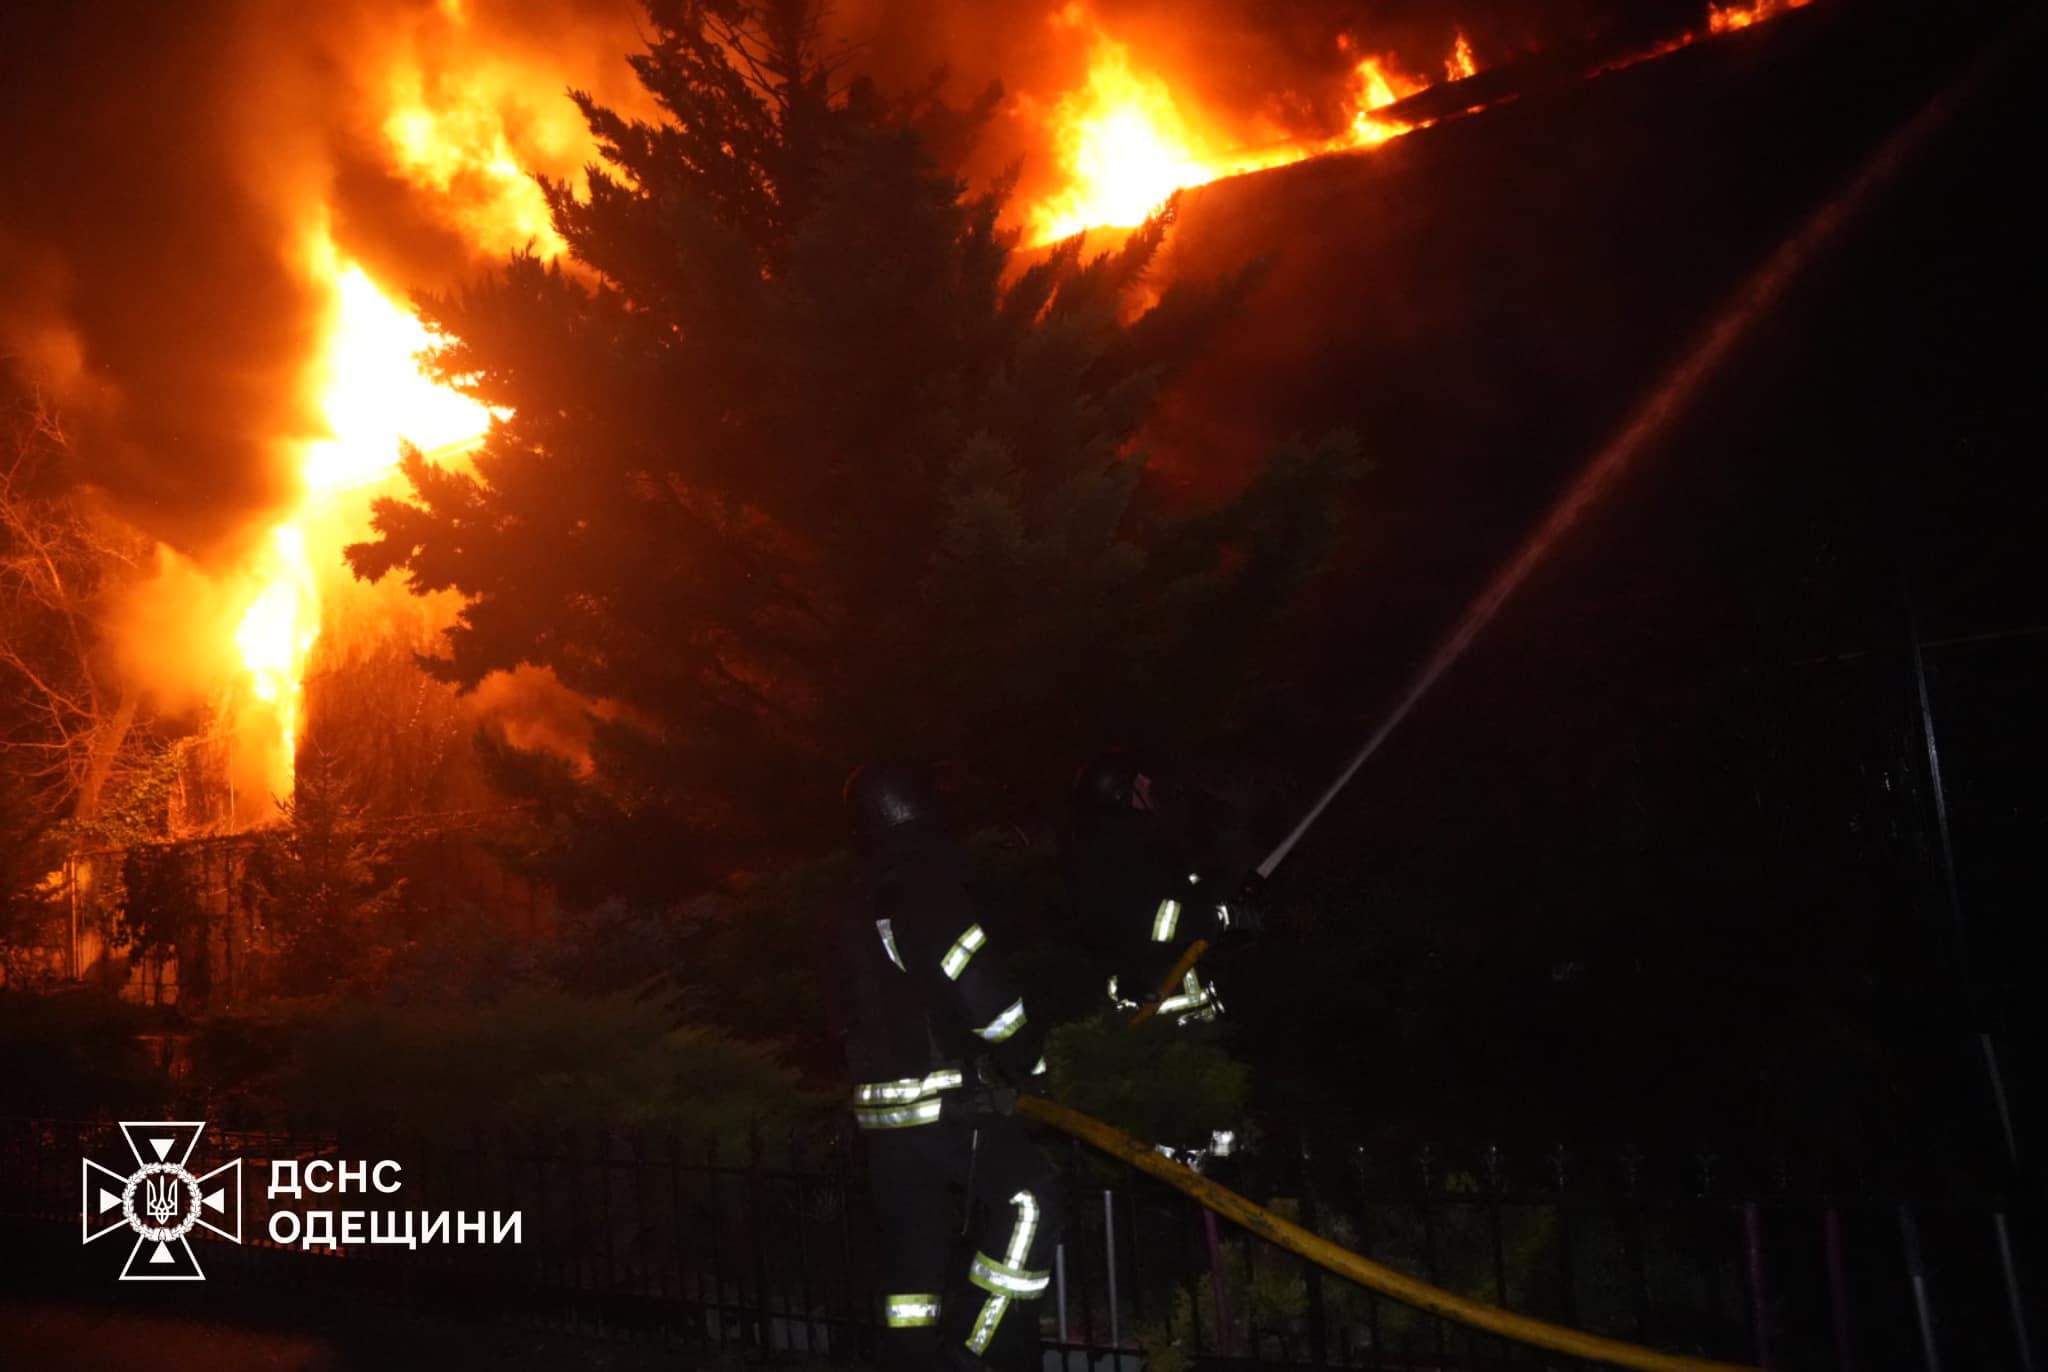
column 1349, row 1265
column 1186, row 964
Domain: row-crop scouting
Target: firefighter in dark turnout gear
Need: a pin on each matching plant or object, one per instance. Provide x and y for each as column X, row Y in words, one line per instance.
column 1139, row 897
column 940, row 1036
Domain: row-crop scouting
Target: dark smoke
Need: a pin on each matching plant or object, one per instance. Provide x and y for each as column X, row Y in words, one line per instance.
column 131, row 242
column 161, row 167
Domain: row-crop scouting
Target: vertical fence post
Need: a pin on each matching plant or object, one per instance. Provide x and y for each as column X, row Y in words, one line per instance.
column 757, row 1222
column 1759, row 1295
column 798, row 1180
column 1109, row 1266
column 679, row 1225
column 858, row 1304
column 1705, row 1227
column 1318, row 1336
column 1131, row 1246
column 1059, row 1275
column 1253, row 1334
column 1081, row 1280
column 1838, row 1288
column 1639, row 1261
column 641, row 1250
column 1567, row 1265
column 1219, row 1286
column 1372, row 1298
column 715, row 1315
column 1426, row 1161
column 1492, row 1161
column 603, row 1153
column 573, row 1181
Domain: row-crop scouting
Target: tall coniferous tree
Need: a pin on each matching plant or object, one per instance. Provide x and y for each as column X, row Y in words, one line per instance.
column 805, row 464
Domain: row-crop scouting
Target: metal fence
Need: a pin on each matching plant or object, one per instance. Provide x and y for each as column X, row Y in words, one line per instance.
column 766, row 1246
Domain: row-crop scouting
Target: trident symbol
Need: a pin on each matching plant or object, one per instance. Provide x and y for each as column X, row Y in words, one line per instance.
column 160, row 1193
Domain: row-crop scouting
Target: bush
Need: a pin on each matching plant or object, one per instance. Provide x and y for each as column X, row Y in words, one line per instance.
column 540, row 1058
column 1164, row 1083
column 73, row 1053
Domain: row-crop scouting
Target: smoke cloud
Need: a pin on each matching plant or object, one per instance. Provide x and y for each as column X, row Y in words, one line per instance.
column 164, row 173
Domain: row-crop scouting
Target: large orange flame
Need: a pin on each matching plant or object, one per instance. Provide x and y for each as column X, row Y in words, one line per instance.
column 1460, row 64
column 452, row 136
column 374, row 397
column 1379, row 84
column 465, row 122
column 1124, row 140
column 1124, row 143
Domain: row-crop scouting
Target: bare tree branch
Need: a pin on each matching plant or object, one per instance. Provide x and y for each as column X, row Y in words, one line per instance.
column 65, row 724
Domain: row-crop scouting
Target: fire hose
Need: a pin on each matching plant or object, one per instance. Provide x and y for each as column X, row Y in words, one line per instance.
column 1344, row 1263
column 1181, row 968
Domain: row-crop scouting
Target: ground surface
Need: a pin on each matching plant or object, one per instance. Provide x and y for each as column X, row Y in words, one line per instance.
column 61, row 1310
column 110, row 1338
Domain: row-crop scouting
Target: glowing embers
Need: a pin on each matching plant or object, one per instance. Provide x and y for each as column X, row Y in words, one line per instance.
column 1727, row 18
column 1125, row 139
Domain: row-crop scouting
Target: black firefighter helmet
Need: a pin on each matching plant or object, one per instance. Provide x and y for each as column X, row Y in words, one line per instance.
column 882, row 797
column 1115, row 779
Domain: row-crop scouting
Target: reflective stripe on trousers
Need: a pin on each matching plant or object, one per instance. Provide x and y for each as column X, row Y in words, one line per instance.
column 911, row 1310
column 1008, row 1278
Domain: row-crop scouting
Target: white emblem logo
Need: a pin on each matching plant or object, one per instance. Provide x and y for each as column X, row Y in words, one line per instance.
column 161, row 1200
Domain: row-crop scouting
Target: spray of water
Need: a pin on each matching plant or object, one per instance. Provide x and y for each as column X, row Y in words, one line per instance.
column 1758, row 295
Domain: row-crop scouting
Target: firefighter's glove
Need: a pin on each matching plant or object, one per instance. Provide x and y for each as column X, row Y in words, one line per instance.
column 1241, row 921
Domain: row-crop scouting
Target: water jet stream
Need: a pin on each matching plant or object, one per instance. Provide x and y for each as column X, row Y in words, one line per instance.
column 1759, row 294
